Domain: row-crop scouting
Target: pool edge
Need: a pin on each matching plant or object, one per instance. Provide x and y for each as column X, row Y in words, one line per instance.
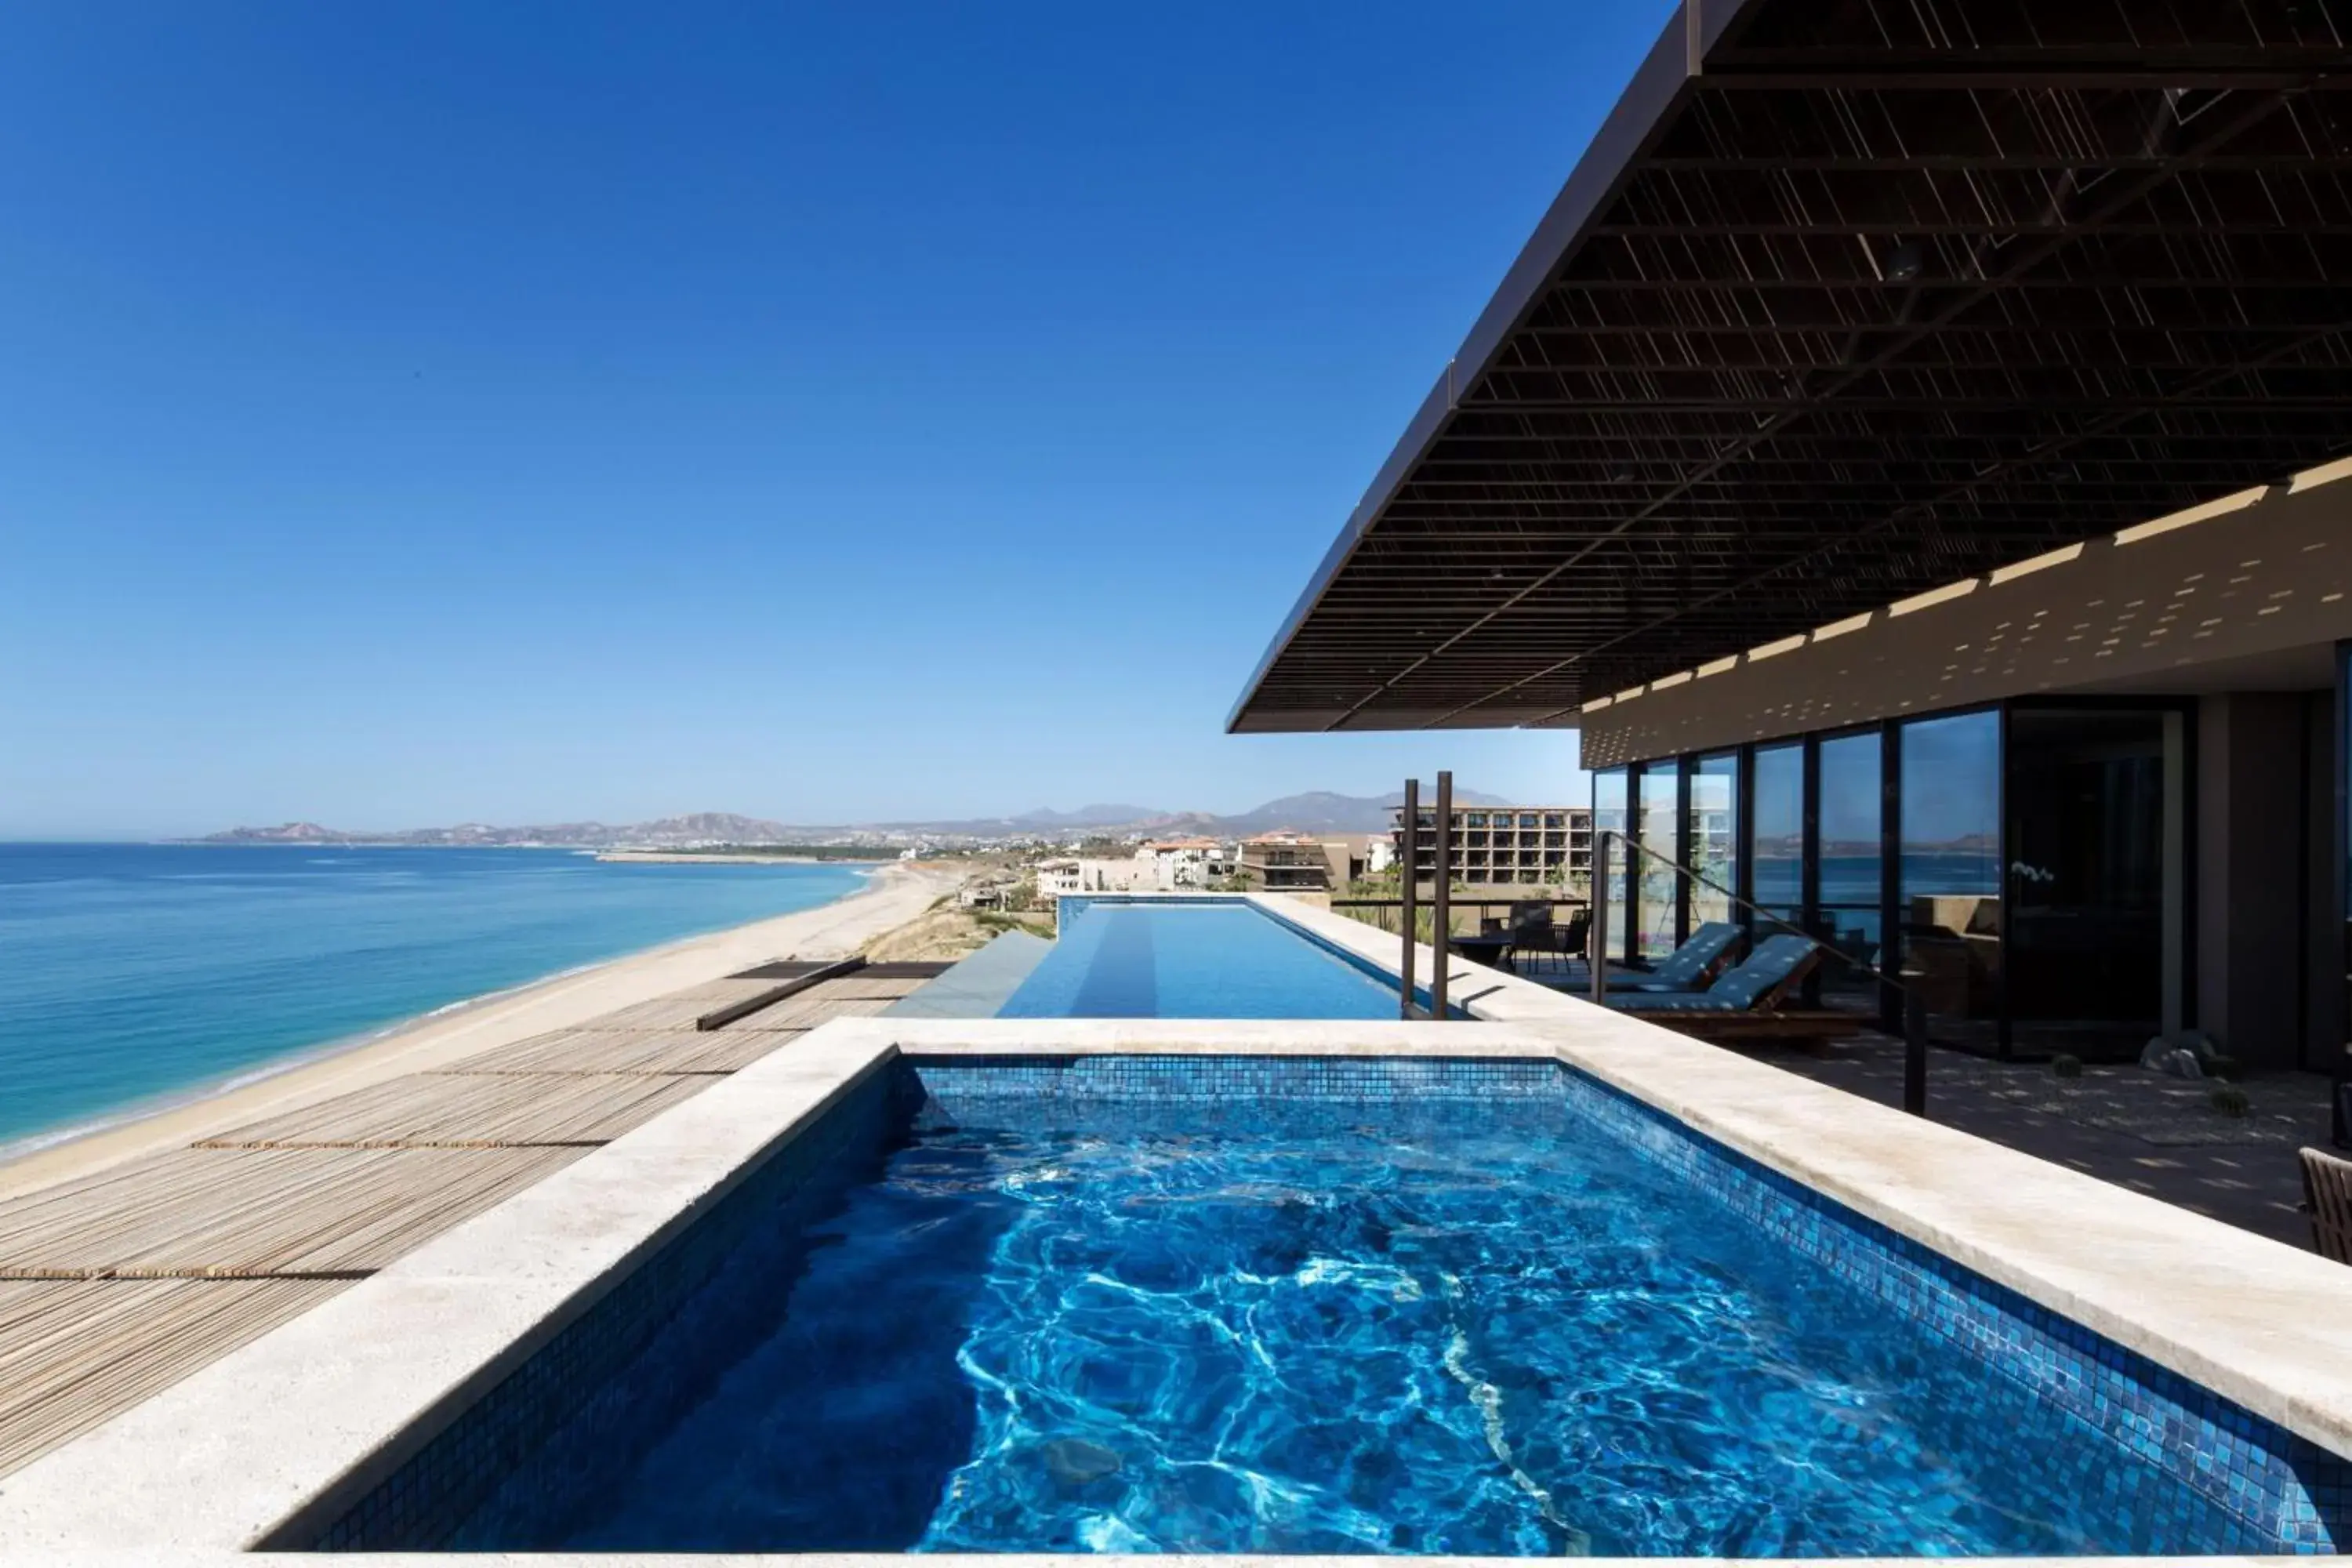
column 226, row 1459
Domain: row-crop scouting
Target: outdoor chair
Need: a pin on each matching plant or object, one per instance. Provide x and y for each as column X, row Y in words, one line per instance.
column 2328, row 1193
column 1778, row 964
column 1569, row 941
column 1532, row 933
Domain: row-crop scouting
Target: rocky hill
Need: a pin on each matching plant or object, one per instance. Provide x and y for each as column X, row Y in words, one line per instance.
column 1319, row 811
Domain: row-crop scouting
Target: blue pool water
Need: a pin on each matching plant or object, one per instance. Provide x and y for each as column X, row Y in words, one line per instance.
column 135, row 971
column 1246, row 1326
column 1202, row 960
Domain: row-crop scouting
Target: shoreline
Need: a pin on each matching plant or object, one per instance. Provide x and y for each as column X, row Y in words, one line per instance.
column 891, row 896
column 704, row 857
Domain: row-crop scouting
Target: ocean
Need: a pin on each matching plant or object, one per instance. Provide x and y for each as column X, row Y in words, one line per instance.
column 134, row 973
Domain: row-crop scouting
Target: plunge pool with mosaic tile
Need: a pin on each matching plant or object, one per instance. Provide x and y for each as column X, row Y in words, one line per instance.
column 1284, row 1304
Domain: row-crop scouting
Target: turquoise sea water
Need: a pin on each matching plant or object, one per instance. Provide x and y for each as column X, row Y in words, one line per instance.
column 134, row 972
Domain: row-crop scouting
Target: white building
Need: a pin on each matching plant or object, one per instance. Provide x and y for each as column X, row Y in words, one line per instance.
column 1181, row 865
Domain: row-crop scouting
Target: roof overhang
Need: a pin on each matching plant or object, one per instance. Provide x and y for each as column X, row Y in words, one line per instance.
column 1833, row 312
column 2181, row 604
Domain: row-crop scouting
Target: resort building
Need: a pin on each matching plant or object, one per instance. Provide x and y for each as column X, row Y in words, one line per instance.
column 1923, row 484
column 1287, row 862
column 1179, row 864
column 1546, row 845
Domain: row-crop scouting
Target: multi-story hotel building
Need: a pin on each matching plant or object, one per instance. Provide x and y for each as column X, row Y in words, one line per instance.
column 1551, row 846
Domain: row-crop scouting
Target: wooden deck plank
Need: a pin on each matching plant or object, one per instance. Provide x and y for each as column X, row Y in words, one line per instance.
column 865, row 988
column 115, row 1285
column 433, row 1111
column 806, row 1012
column 74, row 1353
column 628, row 1051
column 680, row 1009
column 244, row 1212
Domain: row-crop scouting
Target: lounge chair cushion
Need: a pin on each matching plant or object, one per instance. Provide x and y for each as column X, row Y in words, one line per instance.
column 1768, row 969
column 1687, row 967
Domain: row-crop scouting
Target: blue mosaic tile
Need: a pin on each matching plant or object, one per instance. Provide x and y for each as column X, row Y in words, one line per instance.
column 2251, row 1487
column 553, row 1415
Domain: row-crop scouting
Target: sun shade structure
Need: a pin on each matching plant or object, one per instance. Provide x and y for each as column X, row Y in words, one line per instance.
column 1850, row 300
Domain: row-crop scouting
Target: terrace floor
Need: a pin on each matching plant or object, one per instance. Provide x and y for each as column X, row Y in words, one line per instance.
column 116, row 1284
column 2138, row 1129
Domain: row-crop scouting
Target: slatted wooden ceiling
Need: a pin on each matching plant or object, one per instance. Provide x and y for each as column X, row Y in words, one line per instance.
column 1849, row 299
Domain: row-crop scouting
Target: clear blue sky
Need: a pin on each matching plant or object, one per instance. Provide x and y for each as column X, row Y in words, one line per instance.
column 511, row 411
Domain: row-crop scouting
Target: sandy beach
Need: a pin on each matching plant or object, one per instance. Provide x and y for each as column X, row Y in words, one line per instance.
column 898, row 893
column 695, row 858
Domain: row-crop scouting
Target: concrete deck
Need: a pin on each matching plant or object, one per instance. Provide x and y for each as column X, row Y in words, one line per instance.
column 2139, row 1129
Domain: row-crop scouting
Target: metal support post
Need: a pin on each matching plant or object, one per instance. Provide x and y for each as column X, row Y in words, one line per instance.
column 1409, row 883
column 1914, row 1044
column 1596, row 945
column 1442, row 901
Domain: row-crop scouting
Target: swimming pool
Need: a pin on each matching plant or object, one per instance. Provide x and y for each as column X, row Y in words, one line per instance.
column 1316, row 1304
column 1192, row 958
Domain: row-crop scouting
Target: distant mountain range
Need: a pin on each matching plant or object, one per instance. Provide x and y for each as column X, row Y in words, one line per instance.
column 1319, row 811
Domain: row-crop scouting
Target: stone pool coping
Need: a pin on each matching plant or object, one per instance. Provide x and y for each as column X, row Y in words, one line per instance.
column 300, row 1422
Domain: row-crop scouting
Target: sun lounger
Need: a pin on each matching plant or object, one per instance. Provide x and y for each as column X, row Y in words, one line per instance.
column 1778, row 963
column 1686, row 968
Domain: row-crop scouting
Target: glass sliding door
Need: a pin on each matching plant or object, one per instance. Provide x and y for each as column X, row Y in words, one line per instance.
column 1949, row 871
column 1657, row 881
column 1851, row 916
column 2084, row 911
column 1609, row 817
column 1775, row 851
column 1714, row 837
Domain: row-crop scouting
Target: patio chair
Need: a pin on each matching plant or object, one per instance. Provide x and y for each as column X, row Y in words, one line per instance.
column 2328, row 1193
column 1778, row 964
column 1532, row 933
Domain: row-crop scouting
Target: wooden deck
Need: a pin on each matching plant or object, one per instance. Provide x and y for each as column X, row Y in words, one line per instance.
column 117, row 1284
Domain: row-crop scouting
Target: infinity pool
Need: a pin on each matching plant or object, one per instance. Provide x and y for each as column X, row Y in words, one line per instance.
column 1192, row 960
column 1261, row 1322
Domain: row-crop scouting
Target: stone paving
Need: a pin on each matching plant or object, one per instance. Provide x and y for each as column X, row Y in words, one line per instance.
column 2138, row 1129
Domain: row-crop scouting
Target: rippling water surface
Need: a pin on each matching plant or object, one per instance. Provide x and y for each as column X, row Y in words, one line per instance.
column 1324, row 1331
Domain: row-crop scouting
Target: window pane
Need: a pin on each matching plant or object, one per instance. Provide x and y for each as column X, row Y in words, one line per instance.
column 1714, row 851
column 1950, row 865
column 1851, row 787
column 1780, row 843
column 1655, row 935
column 1609, row 816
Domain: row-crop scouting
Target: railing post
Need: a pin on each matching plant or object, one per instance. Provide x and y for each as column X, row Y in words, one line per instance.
column 1440, row 913
column 1914, row 1044
column 1408, row 880
column 1596, row 949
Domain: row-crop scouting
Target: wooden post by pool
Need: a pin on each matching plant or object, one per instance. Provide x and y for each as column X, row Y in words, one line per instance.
column 1440, row 909
column 1407, row 878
